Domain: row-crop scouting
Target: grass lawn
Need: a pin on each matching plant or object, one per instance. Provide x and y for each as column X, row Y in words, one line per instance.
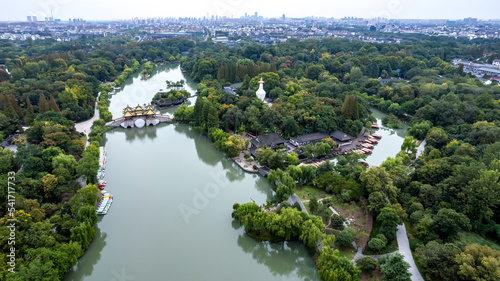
column 347, row 252
column 306, row 192
column 391, row 247
column 470, row 238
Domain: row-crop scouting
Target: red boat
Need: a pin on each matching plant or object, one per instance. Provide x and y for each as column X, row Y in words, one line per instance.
column 375, row 126
column 374, row 141
column 377, row 136
column 366, row 145
column 368, row 141
column 366, row 151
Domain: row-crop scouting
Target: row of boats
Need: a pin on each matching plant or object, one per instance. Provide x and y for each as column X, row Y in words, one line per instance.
column 368, row 144
column 106, row 198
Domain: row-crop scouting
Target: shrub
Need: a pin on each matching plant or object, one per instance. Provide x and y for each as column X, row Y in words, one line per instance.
column 367, row 264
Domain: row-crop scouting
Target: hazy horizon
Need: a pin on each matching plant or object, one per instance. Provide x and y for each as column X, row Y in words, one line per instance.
column 108, row 10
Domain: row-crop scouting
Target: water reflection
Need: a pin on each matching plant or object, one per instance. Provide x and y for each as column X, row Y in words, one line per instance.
column 280, row 258
column 204, row 148
column 86, row 263
column 143, row 133
column 262, row 185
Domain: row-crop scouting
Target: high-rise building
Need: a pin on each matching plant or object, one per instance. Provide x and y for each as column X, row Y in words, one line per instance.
column 33, row 18
column 283, row 17
column 256, row 14
column 29, row 19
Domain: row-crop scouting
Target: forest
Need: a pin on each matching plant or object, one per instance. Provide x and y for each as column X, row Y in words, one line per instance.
column 449, row 197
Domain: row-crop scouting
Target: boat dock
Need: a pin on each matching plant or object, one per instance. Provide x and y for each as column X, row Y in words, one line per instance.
column 106, row 197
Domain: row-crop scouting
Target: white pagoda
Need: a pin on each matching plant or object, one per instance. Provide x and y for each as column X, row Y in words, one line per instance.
column 261, row 94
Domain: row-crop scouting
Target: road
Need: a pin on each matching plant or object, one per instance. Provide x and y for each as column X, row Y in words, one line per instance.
column 404, row 249
column 84, row 126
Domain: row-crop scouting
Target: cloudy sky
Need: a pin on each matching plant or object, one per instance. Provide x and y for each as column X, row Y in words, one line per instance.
column 125, row 9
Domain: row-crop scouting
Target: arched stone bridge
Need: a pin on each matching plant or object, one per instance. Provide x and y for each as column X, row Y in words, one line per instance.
column 140, row 121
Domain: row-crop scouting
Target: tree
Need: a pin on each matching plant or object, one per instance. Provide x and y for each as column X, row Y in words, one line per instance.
column 8, row 109
column 478, row 263
column 346, row 236
column 395, row 269
column 409, row 145
column 389, row 220
column 375, row 179
column 313, row 204
column 437, row 260
column 437, row 137
column 482, row 195
column 367, row 264
column 377, row 243
column 53, row 104
column 43, row 104
column 350, row 107
column 420, row 130
column 49, row 183
column 311, row 231
column 447, row 222
column 377, row 202
column 332, row 267
column 29, row 117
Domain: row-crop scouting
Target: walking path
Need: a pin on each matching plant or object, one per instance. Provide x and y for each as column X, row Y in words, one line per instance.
column 421, row 148
column 85, row 126
column 294, row 198
column 404, row 249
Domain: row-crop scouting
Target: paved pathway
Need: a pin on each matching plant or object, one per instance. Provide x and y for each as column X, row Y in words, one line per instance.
column 84, row 126
column 404, row 249
column 294, row 198
column 421, row 148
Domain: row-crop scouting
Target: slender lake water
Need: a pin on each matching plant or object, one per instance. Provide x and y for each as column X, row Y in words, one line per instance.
column 391, row 141
column 171, row 214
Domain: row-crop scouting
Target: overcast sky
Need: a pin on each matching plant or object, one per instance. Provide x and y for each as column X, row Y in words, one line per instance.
column 126, row 9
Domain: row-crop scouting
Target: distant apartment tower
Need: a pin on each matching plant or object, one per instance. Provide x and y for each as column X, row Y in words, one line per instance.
column 29, row 19
column 33, row 18
column 256, row 14
column 470, row 21
column 283, row 17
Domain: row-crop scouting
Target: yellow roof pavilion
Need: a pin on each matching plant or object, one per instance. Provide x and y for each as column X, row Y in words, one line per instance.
column 149, row 112
column 128, row 114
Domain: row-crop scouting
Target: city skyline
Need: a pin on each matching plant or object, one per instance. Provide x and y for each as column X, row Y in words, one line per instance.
column 127, row 9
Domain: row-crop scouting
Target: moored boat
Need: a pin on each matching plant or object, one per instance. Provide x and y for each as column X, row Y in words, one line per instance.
column 366, row 145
